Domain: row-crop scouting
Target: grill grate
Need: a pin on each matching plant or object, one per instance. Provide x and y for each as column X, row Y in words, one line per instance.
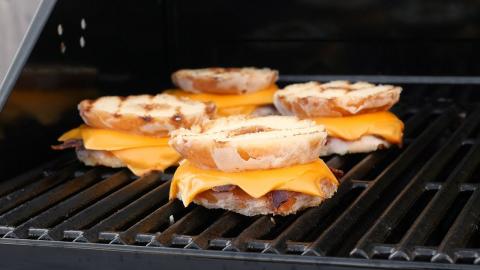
column 418, row 203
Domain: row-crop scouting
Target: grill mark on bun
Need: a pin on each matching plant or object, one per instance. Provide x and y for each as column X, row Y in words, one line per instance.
column 117, row 113
column 150, row 107
column 146, row 118
column 210, row 108
column 243, row 154
column 88, row 105
column 248, row 130
column 177, row 118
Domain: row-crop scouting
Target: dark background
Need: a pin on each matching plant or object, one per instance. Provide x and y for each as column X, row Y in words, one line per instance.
column 143, row 42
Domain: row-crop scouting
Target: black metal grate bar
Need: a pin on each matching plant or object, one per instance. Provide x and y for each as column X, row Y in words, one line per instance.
column 104, row 206
column 222, row 225
column 24, row 194
column 190, row 221
column 37, row 173
column 430, row 217
column 131, row 212
column 297, row 229
column 457, row 237
column 66, row 208
column 60, row 192
column 334, row 234
column 258, row 228
column 312, row 219
column 392, row 216
column 159, row 217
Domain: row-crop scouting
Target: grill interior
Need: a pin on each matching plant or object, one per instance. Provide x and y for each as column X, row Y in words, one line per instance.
column 417, row 203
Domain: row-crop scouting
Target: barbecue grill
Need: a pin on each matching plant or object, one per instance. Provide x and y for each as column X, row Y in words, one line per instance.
column 414, row 207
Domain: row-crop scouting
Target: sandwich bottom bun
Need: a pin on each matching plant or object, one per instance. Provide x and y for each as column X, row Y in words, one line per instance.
column 98, row 158
column 363, row 145
column 109, row 159
column 238, row 201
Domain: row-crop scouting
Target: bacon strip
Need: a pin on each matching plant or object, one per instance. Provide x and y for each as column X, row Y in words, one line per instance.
column 224, row 188
column 338, row 173
column 279, row 197
column 68, row 144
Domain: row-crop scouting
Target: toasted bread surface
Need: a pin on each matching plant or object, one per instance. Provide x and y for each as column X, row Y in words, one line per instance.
column 224, row 80
column 240, row 143
column 144, row 114
column 335, row 99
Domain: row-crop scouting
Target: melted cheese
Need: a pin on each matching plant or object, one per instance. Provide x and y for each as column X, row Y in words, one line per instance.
column 232, row 104
column 236, row 110
column 190, row 180
column 140, row 153
column 145, row 159
column 350, row 128
column 106, row 139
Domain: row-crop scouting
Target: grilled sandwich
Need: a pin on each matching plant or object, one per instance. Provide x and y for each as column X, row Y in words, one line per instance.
column 132, row 131
column 234, row 90
column 252, row 166
column 355, row 115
